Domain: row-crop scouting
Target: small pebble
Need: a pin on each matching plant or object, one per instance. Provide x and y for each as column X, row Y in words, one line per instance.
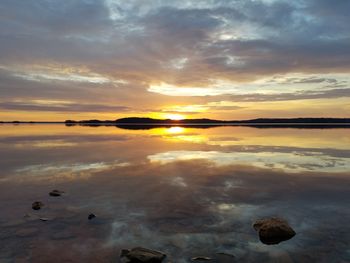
column 37, row 205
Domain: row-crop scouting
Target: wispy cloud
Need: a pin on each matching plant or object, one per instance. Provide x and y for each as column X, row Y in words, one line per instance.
column 59, row 106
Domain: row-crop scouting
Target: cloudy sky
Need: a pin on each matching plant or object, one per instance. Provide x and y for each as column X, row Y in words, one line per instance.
column 223, row 59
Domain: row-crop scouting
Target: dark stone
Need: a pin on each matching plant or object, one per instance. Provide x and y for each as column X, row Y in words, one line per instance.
column 37, row 205
column 91, row 216
column 142, row 255
column 201, row 258
column 124, row 252
column 56, row 193
column 273, row 230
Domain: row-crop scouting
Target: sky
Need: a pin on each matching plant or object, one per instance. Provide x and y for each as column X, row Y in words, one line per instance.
column 221, row 59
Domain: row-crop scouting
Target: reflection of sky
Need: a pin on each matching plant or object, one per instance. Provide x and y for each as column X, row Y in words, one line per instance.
column 56, row 171
column 291, row 162
column 163, row 190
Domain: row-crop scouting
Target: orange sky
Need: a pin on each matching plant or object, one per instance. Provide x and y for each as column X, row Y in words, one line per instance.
column 189, row 59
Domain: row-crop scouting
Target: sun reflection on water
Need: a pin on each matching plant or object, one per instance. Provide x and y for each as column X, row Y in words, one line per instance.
column 175, row 129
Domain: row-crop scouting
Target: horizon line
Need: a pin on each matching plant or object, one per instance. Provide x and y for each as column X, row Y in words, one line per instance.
column 171, row 121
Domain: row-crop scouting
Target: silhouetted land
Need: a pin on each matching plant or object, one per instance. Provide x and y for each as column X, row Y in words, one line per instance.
column 136, row 123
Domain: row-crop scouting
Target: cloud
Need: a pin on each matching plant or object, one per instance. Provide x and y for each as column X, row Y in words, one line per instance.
column 58, row 106
column 166, row 32
column 51, row 17
column 304, row 95
column 180, row 44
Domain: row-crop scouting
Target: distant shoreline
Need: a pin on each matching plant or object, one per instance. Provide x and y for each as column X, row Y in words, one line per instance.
column 149, row 123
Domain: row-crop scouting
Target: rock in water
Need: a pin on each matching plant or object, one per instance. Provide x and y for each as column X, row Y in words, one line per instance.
column 201, row 258
column 273, row 230
column 139, row 254
column 56, row 193
column 37, row 205
column 91, row 216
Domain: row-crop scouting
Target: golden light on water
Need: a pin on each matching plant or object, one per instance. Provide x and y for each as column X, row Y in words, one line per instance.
column 176, row 129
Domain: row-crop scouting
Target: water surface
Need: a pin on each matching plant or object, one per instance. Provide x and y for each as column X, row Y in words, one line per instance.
column 185, row 191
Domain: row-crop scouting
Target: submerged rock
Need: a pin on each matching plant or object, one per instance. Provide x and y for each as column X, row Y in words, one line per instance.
column 37, row 205
column 56, row 193
column 273, row 230
column 91, row 216
column 140, row 254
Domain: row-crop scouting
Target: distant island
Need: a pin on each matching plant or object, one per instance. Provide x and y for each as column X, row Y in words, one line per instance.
column 147, row 123
column 136, row 123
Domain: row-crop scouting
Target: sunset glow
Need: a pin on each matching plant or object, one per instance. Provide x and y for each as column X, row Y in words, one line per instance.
column 175, row 117
column 175, row 60
column 174, row 131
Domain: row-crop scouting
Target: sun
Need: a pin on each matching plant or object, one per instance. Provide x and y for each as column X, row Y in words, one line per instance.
column 175, row 117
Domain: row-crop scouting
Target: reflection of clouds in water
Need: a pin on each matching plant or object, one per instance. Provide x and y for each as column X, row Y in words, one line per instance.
column 245, row 211
column 186, row 138
column 229, row 184
column 67, row 138
column 178, row 246
column 229, row 212
column 179, row 197
column 275, row 253
column 62, row 172
column 47, row 144
column 207, row 216
column 247, row 137
column 147, row 205
column 178, row 181
column 291, row 162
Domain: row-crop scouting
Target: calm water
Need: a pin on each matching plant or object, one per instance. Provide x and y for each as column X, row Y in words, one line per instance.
column 187, row 192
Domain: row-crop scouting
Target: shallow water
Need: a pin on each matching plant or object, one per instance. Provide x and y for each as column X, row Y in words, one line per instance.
column 184, row 191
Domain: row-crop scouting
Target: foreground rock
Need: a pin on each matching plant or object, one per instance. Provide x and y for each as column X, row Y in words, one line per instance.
column 56, row 193
column 201, row 258
column 140, row 254
column 273, row 230
column 37, row 205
